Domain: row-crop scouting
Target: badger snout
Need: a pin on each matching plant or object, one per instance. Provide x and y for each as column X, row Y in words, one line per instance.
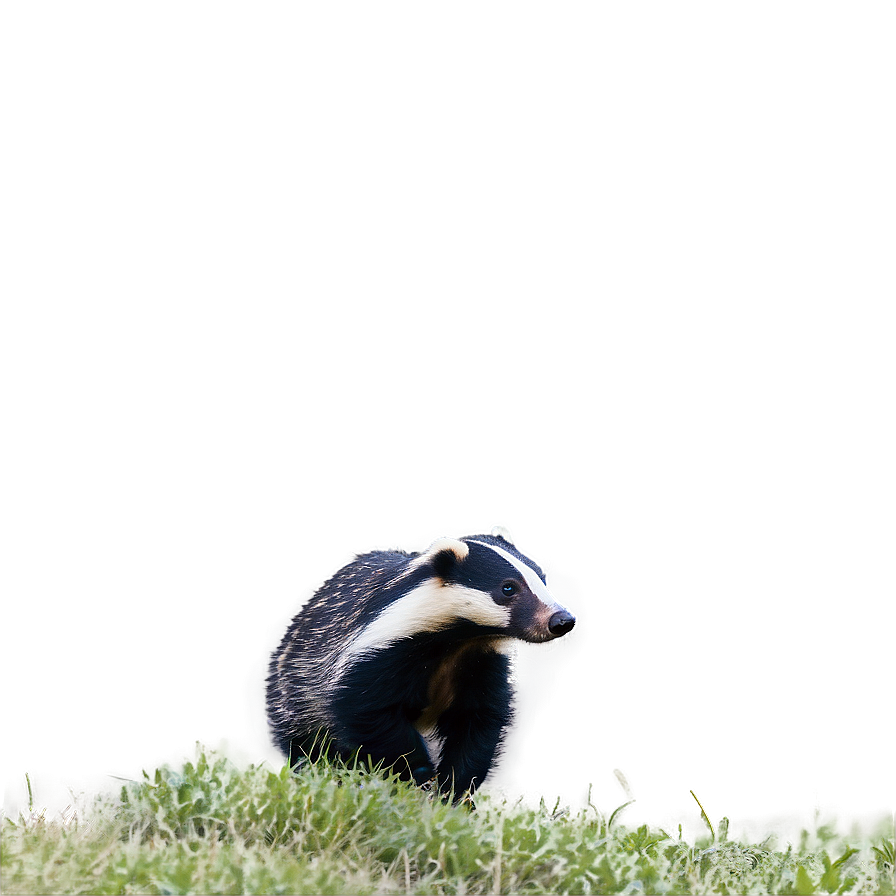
column 561, row 622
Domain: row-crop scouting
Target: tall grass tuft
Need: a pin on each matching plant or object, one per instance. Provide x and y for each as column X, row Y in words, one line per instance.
column 210, row 827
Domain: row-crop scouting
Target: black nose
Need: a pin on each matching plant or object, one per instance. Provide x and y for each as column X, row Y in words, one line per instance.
column 560, row 623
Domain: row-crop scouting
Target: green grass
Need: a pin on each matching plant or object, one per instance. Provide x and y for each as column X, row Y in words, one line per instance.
column 213, row 828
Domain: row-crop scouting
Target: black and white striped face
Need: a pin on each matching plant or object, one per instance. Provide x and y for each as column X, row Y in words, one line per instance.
column 516, row 587
column 481, row 585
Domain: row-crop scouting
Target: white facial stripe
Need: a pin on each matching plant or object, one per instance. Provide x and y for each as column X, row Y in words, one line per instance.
column 536, row 586
column 428, row 608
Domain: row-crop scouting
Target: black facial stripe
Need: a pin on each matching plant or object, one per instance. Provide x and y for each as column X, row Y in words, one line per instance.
column 484, row 570
column 508, row 549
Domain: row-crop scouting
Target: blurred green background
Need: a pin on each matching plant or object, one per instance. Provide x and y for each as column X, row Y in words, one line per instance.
column 284, row 281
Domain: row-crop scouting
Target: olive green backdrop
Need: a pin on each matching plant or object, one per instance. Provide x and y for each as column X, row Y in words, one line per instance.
column 284, row 281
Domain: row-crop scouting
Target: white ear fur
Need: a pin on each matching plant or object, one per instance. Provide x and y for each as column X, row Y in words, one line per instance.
column 459, row 549
column 439, row 546
column 501, row 532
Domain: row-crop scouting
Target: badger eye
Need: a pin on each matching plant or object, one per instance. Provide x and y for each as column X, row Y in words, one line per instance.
column 508, row 589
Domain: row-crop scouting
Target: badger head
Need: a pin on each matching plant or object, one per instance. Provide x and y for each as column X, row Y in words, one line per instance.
column 487, row 581
column 479, row 586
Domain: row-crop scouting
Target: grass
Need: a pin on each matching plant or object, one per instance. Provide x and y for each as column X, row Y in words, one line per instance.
column 210, row 827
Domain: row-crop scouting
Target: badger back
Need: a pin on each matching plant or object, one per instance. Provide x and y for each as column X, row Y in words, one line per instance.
column 314, row 648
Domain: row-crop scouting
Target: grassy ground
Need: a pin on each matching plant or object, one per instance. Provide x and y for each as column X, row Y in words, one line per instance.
column 212, row 828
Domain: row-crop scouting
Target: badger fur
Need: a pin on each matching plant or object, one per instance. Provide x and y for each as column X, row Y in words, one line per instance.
column 403, row 659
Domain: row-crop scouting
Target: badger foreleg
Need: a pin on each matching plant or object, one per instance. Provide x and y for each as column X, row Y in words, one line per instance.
column 468, row 750
column 472, row 727
column 389, row 739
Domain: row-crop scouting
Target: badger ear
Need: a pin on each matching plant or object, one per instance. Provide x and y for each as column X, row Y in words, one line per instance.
column 499, row 530
column 445, row 554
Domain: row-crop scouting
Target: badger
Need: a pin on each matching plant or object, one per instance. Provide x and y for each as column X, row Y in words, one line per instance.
column 402, row 660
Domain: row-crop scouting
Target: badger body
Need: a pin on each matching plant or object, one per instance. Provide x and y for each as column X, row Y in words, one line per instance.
column 403, row 659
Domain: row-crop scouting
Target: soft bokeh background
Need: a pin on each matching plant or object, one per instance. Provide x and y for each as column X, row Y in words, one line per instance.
column 283, row 283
